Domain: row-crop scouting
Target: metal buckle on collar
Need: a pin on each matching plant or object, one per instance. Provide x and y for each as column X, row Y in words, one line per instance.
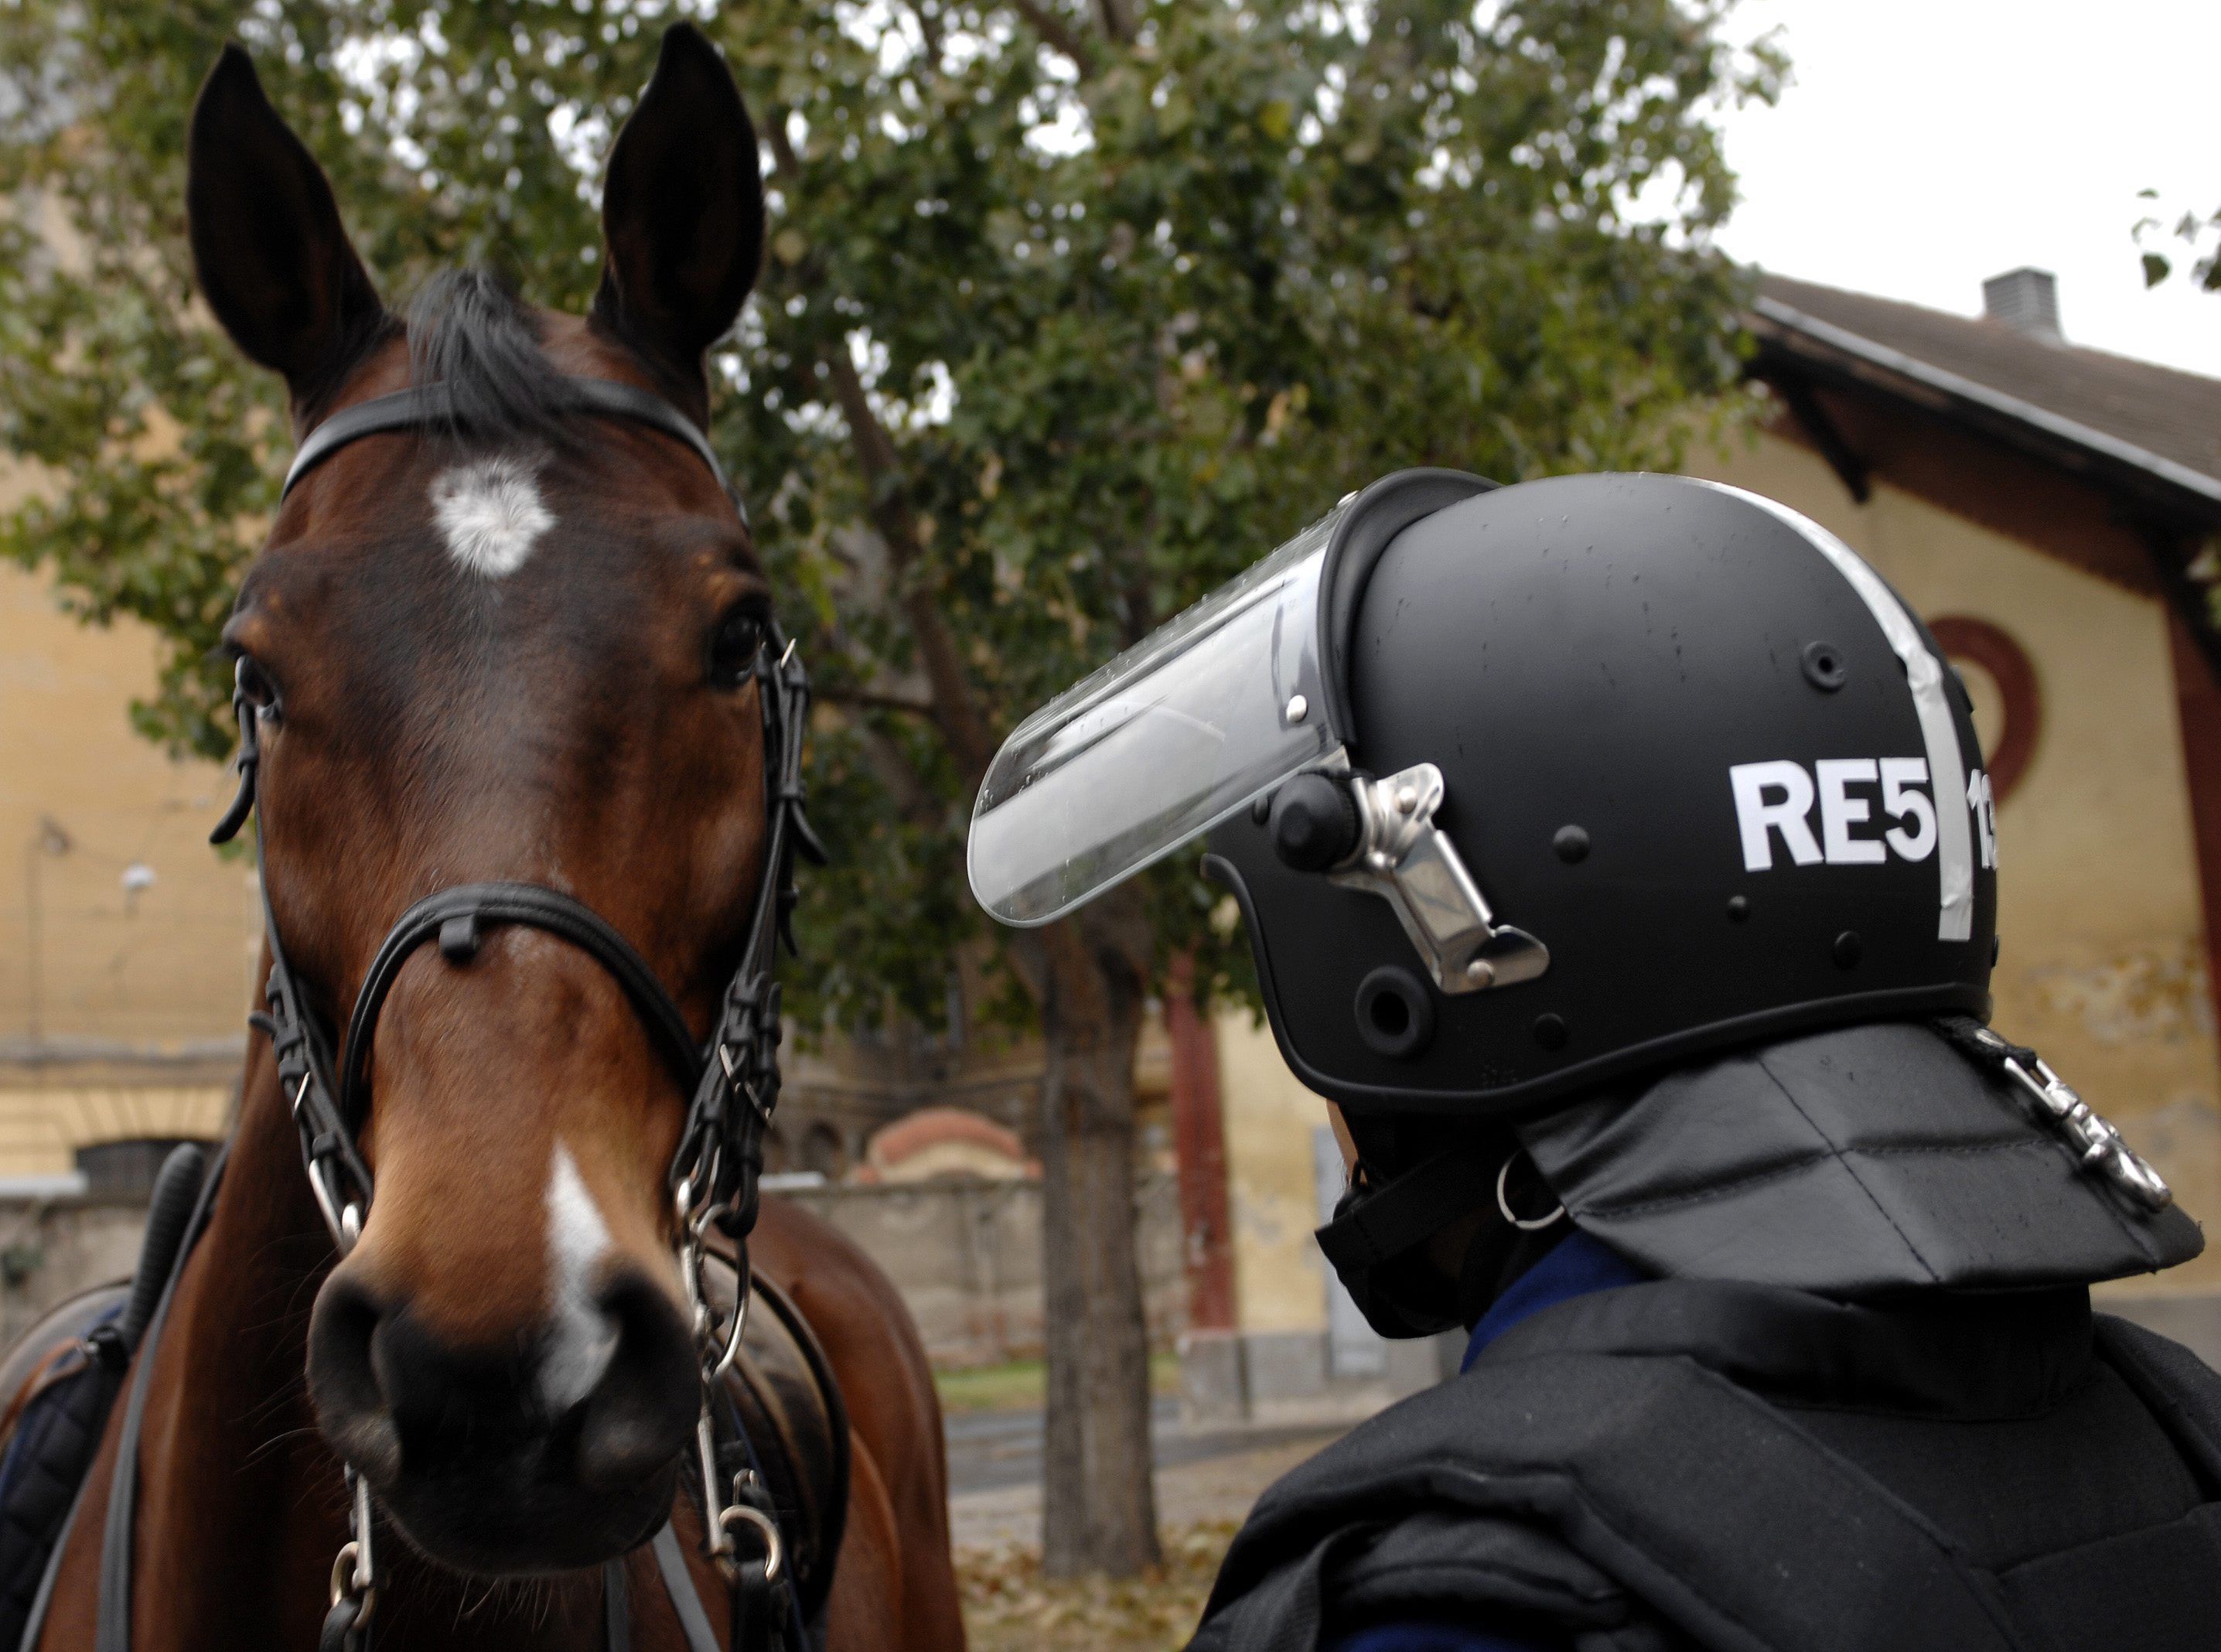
column 2103, row 1148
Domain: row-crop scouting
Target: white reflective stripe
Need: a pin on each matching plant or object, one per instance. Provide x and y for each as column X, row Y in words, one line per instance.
column 1923, row 674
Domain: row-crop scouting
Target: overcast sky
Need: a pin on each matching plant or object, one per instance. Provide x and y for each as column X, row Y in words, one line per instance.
column 1926, row 144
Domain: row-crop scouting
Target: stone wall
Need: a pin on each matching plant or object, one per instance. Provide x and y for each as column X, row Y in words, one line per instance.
column 51, row 1249
column 967, row 1257
column 965, row 1254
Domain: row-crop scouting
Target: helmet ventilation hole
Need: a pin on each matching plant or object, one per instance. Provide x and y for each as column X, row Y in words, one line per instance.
column 1395, row 1013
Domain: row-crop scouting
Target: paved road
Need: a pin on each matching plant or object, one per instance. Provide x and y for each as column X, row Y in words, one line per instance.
column 990, row 1450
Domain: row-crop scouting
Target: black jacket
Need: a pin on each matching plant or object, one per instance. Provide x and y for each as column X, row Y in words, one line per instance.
column 1723, row 1464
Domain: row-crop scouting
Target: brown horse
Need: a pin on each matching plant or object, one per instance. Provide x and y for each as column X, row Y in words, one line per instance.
column 518, row 649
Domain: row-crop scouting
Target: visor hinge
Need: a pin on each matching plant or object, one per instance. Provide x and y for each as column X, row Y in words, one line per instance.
column 1405, row 858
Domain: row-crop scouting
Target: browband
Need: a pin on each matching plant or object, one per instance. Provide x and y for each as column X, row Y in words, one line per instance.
column 422, row 405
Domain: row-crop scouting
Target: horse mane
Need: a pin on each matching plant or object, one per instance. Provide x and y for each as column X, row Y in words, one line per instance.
column 469, row 330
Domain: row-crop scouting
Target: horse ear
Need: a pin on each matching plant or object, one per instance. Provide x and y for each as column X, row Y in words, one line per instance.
column 272, row 259
column 683, row 210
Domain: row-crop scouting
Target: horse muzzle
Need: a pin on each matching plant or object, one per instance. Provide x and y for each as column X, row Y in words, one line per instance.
column 554, row 1448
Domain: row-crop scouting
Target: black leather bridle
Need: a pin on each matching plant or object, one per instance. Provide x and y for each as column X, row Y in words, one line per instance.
column 732, row 1078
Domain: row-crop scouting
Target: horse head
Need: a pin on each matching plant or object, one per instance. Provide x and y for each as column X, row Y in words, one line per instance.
column 522, row 648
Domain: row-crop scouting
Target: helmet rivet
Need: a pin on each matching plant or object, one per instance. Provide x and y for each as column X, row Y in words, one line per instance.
column 1570, row 844
column 1480, row 972
column 1298, row 708
column 1738, row 908
column 1406, row 801
column 1549, row 1031
column 1824, row 668
column 1847, row 949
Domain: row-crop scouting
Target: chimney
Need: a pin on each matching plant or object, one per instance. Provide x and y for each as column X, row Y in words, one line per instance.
column 2026, row 300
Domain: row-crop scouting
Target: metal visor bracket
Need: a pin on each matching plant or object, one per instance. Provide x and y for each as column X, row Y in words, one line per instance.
column 1405, row 858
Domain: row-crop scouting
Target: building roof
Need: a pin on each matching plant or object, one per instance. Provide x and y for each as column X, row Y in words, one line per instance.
column 2151, row 424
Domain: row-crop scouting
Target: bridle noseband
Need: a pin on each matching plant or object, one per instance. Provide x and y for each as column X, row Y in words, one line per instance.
column 732, row 1080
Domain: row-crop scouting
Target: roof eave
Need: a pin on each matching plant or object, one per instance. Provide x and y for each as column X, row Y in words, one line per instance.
column 1836, row 352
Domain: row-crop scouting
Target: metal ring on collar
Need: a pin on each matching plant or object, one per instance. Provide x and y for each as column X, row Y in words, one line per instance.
column 1525, row 1225
column 766, row 1529
column 347, row 1581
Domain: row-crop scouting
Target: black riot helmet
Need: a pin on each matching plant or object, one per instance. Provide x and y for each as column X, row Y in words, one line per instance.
column 1626, row 831
column 1522, row 789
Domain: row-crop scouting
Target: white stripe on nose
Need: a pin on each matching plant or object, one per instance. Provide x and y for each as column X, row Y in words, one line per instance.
column 580, row 1337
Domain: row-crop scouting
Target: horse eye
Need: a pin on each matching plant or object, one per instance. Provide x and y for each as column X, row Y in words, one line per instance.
column 254, row 685
column 734, row 647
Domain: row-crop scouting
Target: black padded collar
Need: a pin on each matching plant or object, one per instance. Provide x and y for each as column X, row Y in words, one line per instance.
column 1852, row 1162
column 432, row 406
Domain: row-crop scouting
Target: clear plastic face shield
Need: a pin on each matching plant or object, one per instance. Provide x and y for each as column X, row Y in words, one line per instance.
column 1162, row 744
column 1216, row 709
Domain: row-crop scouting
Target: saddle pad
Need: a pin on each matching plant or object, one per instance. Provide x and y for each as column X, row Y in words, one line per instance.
column 61, row 1398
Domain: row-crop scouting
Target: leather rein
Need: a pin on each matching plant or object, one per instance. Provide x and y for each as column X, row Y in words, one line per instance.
column 732, row 1078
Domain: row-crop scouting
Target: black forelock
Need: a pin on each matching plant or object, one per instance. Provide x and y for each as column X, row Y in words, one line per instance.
column 469, row 330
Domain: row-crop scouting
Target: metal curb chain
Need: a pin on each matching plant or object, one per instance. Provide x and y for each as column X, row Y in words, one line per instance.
column 354, row 1579
column 2103, row 1148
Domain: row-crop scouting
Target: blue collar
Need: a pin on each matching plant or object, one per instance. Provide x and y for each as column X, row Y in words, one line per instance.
column 1576, row 1266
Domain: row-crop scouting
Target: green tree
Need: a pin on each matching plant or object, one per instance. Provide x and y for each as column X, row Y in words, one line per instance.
column 2199, row 233
column 1072, row 308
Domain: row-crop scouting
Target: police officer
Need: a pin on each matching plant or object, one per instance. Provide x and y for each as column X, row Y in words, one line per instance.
column 1620, row 864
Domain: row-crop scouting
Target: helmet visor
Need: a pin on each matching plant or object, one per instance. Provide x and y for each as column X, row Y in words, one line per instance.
column 1158, row 745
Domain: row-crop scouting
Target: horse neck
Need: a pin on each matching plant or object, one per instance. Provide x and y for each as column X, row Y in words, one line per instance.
column 241, row 1505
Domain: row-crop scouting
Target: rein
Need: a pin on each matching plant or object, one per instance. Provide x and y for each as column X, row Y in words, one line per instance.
column 732, row 1080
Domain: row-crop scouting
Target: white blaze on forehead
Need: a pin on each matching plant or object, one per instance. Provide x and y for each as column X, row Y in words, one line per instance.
column 581, row 1338
column 491, row 512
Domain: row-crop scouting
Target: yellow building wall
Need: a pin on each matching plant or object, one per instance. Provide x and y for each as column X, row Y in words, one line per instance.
column 2102, row 962
column 119, row 996
column 1279, row 1277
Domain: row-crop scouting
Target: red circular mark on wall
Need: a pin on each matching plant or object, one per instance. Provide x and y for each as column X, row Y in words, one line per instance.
column 1994, row 649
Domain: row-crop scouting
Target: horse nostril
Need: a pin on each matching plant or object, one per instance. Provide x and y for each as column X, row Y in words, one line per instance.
column 641, row 1414
column 343, row 1380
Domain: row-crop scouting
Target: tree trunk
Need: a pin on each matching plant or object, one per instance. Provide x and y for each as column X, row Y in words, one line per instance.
column 1099, row 1499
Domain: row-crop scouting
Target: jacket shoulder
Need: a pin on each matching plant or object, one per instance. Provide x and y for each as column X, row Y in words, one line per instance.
column 1596, row 1494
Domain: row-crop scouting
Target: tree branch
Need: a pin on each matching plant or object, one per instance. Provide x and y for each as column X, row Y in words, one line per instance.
column 1117, row 22
column 914, row 800
column 929, row 29
column 1056, row 33
column 954, row 711
column 871, row 699
column 783, row 161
